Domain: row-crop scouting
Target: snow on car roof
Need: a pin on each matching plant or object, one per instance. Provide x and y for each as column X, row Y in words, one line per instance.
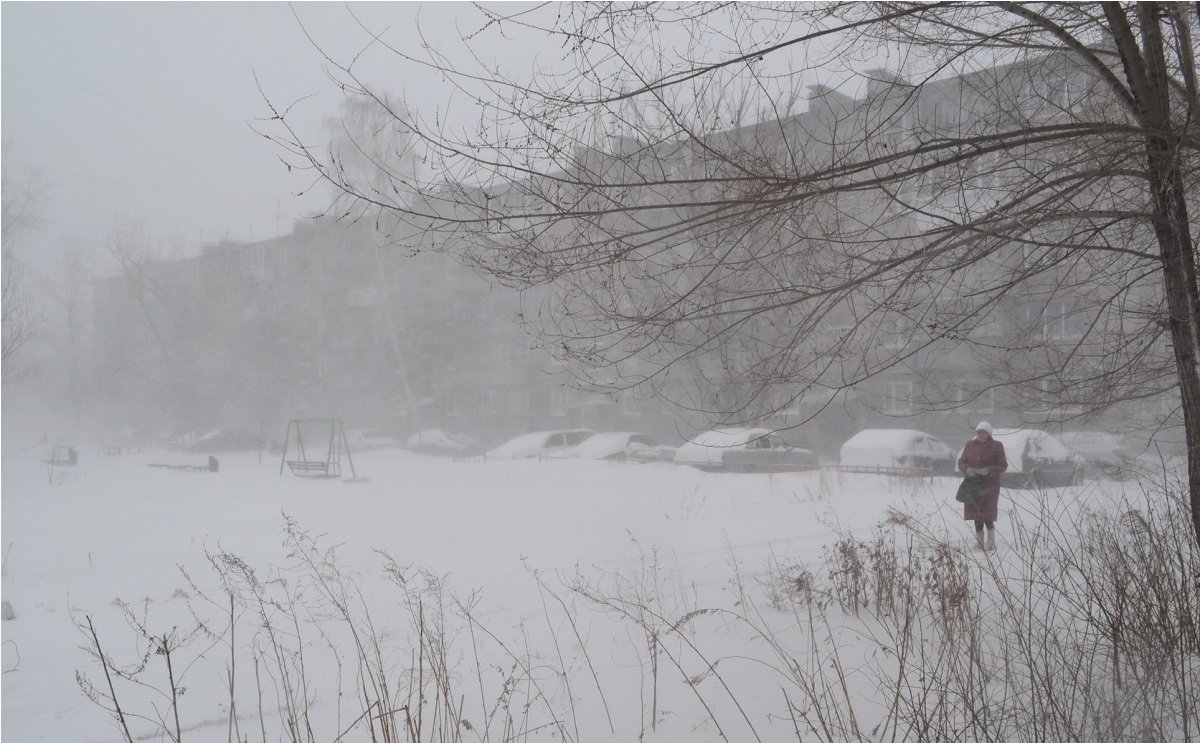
column 878, row 447
column 429, row 436
column 600, row 445
column 883, row 437
column 529, row 441
column 729, row 437
column 709, row 446
column 608, row 442
column 1041, row 444
column 1071, row 437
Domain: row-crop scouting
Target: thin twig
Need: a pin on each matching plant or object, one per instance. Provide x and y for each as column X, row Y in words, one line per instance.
column 112, row 692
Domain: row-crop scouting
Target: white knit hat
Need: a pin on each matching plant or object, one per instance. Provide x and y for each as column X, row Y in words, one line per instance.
column 984, row 426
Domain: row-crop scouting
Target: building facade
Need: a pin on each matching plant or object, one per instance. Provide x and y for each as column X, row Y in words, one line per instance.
column 335, row 320
column 331, row 320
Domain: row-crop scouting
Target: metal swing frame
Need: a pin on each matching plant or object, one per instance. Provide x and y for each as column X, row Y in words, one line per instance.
column 304, row 463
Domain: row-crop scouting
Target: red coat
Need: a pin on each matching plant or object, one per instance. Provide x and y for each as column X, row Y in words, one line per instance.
column 978, row 454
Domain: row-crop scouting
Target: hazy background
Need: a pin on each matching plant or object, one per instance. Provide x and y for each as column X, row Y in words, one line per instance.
column 143, row 112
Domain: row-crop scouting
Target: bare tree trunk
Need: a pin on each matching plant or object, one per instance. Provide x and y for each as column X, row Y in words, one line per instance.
column 1149, row 80
column 401, row 360
column 1183, row 300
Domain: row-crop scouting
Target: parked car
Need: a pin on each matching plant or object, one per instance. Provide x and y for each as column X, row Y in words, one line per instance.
column 1107, row 453
column 1037, row 459
column 891, row 448
column 225, row 440
column 365, row 439
column 644, row 454
column 176, row 439
column 617, row 446
column 442, row 443
column 744, row 450
column 539, row 443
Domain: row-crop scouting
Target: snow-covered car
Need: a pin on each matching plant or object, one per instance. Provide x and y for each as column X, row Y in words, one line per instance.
column 898, row 448
column 443, row 443
column 539, row 443
column 1037, row 459
column 365, row 439
column 176, row 439
column 644, row 454
column 744, row 450
column 617, row 446
column 1107, row 453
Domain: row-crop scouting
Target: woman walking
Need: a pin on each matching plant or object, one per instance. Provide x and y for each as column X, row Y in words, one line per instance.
column 984, row 456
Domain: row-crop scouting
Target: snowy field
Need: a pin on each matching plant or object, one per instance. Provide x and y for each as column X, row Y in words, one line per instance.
column 112, row 538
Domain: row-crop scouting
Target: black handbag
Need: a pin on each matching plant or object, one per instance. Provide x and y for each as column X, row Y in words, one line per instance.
column 970, row 490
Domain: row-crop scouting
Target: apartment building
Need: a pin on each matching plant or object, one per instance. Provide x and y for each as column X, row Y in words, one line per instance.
column 332, row 320
column 339, row 320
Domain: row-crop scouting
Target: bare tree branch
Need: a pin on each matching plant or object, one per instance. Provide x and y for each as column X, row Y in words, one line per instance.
column 1006, row 212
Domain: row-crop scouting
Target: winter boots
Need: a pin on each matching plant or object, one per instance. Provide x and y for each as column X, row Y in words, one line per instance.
column 988, row 543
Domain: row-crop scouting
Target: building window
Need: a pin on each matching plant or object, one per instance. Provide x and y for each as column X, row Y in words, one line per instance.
column 453, row 404
column 522, row 402
column 488, row 402
column 1072, row 93
column 784, row 402
column 899, row 334
column 1056, row 321
column 559, row 401
column 985, row 171
column 630, row 405
column 898, row 397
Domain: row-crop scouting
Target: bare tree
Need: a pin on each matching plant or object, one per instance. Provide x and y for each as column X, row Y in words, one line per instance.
column 21, row 196
column 369, row 148
column 161, row 362
column 1010, row 182
column 69, row 295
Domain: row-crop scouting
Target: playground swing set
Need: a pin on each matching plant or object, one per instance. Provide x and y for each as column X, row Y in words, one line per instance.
column 314, row 447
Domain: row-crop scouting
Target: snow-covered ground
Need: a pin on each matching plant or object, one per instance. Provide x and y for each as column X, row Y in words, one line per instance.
column 113, row 537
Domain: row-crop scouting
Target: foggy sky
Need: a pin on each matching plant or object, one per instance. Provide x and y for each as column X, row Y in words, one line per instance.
column 142, row 112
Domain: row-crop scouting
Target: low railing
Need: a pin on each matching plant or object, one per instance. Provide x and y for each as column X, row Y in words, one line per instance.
column 882, row 470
